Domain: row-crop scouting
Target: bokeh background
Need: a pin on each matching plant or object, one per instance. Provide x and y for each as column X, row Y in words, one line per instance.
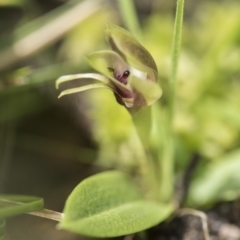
column 48, row 145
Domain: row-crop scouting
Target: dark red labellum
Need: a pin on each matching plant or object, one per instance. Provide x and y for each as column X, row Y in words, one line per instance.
column 122, row 77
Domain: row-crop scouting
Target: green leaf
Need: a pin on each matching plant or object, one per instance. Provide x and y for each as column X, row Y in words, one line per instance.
column 220, row 180
column 12, row 205
column 128, row 46
column 109, row 204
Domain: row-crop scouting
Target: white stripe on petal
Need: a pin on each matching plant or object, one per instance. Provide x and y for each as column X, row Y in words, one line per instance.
column 138, row 74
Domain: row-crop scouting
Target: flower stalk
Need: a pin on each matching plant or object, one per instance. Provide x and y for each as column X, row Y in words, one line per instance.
column 130, row 18
column 167, row 161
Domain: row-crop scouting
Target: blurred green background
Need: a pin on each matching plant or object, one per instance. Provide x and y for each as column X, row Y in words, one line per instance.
column 48, row 145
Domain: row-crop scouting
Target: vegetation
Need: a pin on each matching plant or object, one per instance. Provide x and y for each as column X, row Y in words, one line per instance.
column 188, row 114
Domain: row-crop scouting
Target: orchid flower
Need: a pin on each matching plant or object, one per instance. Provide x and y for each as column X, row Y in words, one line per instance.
column 128, row 70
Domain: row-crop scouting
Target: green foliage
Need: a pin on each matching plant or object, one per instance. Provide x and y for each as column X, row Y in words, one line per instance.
column 218, row 181
column 140, row 89
column 114, row 132
column 206, row 114
column 12, row 205
column 79, row 42
column 210, row 106
column 14, row 107
column 109, row 204
column 207, row 105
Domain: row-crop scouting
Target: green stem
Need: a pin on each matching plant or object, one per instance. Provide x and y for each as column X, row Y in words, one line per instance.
column 12, row 205
column 143, row 118
column 167, row 162
column 142, row 121
column 129, row 17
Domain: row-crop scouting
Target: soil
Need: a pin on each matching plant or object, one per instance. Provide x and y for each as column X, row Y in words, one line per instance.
column 190, row 227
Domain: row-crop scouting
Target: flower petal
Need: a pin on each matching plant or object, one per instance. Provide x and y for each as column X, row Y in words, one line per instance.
column 109, row 63
column 129, row 48
column 106, row 62
column 84, row 88
column 145, row 92
column 67, row 78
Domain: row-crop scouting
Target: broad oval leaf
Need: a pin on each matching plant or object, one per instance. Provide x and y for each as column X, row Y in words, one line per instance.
column 109, row 205
column 220, row 180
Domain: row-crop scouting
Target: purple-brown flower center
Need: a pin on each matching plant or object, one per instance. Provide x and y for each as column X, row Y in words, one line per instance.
column 122, row 77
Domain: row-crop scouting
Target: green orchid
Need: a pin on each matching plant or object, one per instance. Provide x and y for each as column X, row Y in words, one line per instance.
column 128, row 70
